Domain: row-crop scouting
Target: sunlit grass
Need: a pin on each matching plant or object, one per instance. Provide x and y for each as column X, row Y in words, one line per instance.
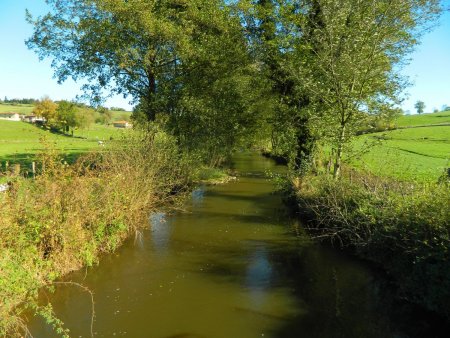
column 420, row 153
column 20, row 141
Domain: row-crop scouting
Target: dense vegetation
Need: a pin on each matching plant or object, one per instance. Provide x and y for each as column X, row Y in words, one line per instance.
column 401, row 227
column 301, row 79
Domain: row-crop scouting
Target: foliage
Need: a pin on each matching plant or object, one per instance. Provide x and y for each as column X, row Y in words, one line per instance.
column 402, row 227
column 348, row 57
column 104, row 115
column 142, row 53
column 66, row 116
column 184, row 63
column 46, row 108
column 332, row 66
column 18, row 101
column 420, row 106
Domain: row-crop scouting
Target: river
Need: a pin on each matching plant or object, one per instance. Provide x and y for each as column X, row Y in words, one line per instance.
column 233, row 265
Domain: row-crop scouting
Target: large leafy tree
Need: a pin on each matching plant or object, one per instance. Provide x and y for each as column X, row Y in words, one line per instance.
column 273, row 34
column 334, row 63
column 66, row 118
column 184, row 63
column 136, row 47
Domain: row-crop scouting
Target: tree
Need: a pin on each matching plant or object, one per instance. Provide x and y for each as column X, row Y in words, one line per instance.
column 184, row 63
column 270, row 34
column 347, row 58
column 46, row 108
column 420, row 107
column 104, row 115
column 66, row 118
column 136, row 47
column 84, row 117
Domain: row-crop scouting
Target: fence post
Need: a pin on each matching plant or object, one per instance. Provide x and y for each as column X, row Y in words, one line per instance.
column 33, row 168
column 16, row 170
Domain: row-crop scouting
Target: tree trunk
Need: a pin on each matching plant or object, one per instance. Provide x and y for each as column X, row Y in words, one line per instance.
column 339, row 152
column 150, row 99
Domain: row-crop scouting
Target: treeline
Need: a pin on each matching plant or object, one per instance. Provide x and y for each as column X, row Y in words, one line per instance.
column 18, row 101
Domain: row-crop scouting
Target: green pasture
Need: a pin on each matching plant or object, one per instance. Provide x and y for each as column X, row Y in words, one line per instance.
column 420, row 153
column 423, row 120
column 25, row 109
column 120, row 115
column 21, row 141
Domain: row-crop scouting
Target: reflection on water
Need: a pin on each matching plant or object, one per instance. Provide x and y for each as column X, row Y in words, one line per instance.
column 160, row 231
column 197, row 196
column 230, row 267
column 258, row 275
column 259, row 269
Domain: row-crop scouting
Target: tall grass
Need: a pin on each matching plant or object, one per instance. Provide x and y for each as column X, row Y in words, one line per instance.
column 403, row 227
column 69, row 215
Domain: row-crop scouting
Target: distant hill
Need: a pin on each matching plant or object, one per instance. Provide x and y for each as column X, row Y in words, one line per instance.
column 423, row 119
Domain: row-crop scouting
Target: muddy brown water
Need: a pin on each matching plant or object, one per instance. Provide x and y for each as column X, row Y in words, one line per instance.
column 234, row 265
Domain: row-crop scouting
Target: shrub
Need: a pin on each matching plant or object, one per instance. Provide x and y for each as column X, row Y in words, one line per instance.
column 403, row 227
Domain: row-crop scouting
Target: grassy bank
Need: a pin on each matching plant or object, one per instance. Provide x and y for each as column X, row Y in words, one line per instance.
column 403, row 227
column 27, row 109
column 406, row 121
column 24, row 109
column 70, row 215
column 405, row 154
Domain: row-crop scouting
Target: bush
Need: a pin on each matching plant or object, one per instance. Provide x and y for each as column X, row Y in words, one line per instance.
column 403, row 227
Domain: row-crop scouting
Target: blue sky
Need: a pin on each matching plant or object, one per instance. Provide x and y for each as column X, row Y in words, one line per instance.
column 23, row 75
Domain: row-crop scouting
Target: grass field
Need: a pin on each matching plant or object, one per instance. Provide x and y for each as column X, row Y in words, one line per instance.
column 20, row 108
column 421, row 153
column 424, row 119
column 27, row 109
column 20, row 141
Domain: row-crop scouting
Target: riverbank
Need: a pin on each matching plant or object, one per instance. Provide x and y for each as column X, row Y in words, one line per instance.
column 402, row 227
column 68, row 216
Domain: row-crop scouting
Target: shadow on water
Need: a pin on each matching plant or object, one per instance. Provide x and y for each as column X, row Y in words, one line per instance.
column 232, row 267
